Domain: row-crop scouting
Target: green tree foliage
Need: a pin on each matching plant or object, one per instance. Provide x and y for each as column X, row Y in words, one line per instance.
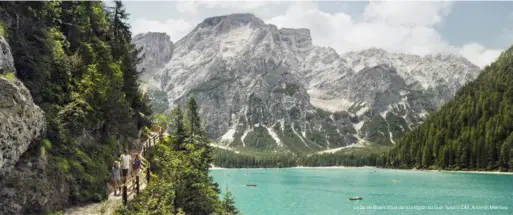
column 505, row 156
column 473, row 131
column 161, row 121
column 230, row 159
column 178, row 128
column 228, row 204
column 193, row 117
column 180, row 182
column 198, row 137
column 77, row 60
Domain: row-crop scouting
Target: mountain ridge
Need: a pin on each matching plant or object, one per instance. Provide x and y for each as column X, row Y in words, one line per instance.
column 244, row 72
column 471, row 132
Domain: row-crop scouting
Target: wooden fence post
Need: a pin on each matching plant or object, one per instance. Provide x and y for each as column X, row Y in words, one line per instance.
column 125, row 195
column 137, row 184
column 148, row 174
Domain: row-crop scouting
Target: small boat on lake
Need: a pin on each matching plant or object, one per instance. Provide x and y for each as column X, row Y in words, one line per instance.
column 251, row 185
column 355, row 198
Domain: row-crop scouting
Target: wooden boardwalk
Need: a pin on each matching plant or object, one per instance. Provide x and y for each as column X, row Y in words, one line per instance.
column 131, row 188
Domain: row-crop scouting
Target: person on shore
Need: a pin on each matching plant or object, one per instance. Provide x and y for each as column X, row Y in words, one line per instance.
column 125, row 164
column 116, row 177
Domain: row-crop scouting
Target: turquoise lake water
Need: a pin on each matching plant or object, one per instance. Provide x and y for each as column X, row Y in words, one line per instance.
column 310, row 191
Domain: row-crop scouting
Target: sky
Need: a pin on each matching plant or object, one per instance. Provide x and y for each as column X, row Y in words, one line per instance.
column 478, row 31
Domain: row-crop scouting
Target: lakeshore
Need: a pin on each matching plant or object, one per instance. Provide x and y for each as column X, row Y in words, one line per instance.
column 369, row 167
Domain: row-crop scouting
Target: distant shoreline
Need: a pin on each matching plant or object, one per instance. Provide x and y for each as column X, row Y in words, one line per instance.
column 352, row 167
column 298, row 167
column 464, row 171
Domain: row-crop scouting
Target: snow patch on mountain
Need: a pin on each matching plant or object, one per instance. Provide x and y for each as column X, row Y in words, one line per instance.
column 362, row 111
column 228, row 136
column 358, row 125
column 224, row 147
column 247, row 73
column 244, row 136
column 299, row 136
column 274, row 136
column 359, row 144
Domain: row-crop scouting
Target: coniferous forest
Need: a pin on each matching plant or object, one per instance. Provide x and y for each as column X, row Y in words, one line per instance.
column 78, row 61
column 231, row 159
column 181, row 184
column 474, row 131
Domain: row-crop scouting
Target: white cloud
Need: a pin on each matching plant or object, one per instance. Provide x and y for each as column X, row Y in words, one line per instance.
column 414, row 14
column 478, row 54
column 407, row 27
column 187, row 6
column 175, row 28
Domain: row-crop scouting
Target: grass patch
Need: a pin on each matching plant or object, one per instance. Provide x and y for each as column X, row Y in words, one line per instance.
column 10, row 76
column 53, row 213
column 3, row 31
column 45, row 146
column 372, row 148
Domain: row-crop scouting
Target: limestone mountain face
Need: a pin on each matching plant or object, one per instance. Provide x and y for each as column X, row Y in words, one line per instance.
column 157, row 51
column 21, row 166
column 267, row 88
column 21, row 120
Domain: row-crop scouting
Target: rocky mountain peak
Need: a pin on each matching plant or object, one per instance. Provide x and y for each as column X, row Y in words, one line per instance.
column 268, row 88
column 160, row 36
column 233, row 19
column 157, row 51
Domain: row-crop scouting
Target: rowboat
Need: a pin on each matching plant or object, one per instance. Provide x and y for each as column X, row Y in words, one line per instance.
column 355, row 198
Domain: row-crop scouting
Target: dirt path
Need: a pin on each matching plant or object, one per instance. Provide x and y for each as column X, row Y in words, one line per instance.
column 101, row 208
column 113, row 201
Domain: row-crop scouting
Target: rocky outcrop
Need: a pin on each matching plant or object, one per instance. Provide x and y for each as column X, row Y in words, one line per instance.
column 25, row 184
column 22, row 120
column 157, row 50
column 270, row 88
column 33, row 186
column 6, row 61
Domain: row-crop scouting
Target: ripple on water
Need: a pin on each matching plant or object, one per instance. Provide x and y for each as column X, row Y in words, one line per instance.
column 310, row 191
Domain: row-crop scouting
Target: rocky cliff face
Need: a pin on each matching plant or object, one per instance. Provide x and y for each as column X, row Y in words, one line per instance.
column 25, row 184
column 269, row 88
column 22, row 120
column 157, row 51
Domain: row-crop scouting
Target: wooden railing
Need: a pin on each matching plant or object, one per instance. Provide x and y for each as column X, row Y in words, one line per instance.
column 144, row 170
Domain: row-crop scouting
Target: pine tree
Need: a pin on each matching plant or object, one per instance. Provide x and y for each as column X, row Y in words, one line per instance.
column 491, row 156
column 228, row 204
column 178, row 128
column 193, row 118
column 124, row 51
column 426, row 156
column 504, row 157
column 445, row 162
column 120, row 30
column 465, row 156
